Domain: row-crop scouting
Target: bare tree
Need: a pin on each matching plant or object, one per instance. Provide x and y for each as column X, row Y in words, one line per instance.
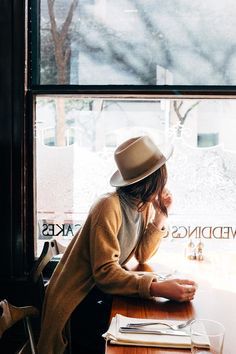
column 182, row 116
column 61, row 39
column 155, row 46
column 62, row 50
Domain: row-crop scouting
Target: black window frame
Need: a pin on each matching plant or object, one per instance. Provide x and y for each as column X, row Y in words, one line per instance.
column 104, row 91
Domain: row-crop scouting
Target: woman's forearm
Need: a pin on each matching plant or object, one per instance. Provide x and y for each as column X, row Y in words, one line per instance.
column 174, row 289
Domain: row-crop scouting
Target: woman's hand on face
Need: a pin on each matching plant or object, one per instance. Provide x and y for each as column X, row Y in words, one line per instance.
column 160, row 218
column 167, row 198
column 174, row 289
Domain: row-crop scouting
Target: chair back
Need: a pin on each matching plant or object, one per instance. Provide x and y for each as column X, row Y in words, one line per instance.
column 50, row 249
column 13, row 314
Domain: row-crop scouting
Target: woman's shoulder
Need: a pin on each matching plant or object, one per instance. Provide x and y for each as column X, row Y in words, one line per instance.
column 106, row 210
column 107, row 201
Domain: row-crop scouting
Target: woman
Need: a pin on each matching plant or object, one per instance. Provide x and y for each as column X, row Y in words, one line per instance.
column 128, row 222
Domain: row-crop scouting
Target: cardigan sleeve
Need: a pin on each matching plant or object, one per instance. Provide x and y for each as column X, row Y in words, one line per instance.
column 108, row 274
column 149, row 243
column 151, row 238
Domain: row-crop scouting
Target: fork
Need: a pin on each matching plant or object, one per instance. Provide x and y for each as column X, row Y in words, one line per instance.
column 174, row 327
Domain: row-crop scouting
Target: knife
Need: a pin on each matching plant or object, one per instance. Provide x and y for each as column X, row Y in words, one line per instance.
column 167, row 332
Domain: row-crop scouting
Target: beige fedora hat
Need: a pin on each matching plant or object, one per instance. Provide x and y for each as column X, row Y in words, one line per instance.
column 136, row 159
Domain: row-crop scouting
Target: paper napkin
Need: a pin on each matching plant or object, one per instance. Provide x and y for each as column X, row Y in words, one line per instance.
column 152, row 340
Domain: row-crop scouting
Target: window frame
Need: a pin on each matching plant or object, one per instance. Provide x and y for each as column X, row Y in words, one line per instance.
column 102, row 91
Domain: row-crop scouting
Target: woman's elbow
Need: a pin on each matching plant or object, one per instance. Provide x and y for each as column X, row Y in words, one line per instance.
column 143, row 257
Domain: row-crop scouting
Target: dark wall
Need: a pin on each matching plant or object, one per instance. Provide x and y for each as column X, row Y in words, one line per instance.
column 15, row 177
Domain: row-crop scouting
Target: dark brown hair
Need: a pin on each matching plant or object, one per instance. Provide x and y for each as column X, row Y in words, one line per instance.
column 145, row 191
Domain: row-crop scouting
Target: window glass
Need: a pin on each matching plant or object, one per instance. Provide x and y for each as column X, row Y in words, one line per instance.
column 137, row 42
column 207, row 139
column 75, row 142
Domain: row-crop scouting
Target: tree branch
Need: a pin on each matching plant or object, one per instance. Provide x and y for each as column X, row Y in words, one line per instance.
column 189, row 110
column 65, row 28
column 182, row 117
column 51, row 13
column 176, row 109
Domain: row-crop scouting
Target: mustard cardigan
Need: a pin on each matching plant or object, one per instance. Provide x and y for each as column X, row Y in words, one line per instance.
column 92, row 257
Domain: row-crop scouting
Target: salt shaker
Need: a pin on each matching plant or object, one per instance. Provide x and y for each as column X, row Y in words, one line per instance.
column 199, row 251
column 190, row 251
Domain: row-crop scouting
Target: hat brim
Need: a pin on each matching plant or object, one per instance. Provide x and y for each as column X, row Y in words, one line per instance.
column 118, row 181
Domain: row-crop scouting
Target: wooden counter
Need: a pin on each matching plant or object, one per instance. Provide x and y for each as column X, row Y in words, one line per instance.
column 215, row 298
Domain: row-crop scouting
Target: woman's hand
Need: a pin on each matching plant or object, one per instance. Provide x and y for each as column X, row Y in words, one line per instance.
column 174, row 289
column 167, row 198
column 160, row 218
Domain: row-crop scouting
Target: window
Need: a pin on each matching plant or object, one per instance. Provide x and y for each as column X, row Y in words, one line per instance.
column 165, row 42
column 111, row 70
column 207, row 139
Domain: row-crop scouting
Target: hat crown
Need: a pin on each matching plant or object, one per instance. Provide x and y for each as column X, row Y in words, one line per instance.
column 137, row 156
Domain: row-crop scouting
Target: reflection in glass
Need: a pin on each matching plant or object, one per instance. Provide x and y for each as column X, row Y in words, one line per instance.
column 152, row 42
